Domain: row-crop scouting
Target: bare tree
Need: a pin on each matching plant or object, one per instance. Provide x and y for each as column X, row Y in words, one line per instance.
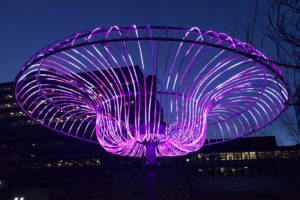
column 279, row 23
column 276, row 24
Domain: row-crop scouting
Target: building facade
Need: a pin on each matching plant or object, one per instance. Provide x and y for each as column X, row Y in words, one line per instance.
column 297, row 107
column 36, row 163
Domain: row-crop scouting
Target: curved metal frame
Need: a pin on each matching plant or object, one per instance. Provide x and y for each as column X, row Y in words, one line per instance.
column 233, row 87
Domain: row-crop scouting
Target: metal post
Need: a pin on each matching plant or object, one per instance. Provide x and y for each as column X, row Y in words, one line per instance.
column 151, row 171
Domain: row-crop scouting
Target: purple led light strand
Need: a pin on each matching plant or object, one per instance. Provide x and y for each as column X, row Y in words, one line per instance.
column 92, row 85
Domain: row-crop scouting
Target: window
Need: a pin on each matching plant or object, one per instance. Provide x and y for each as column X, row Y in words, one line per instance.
column 222, row 156
column 261, row 155
column 237, row 156
column 239, row 170
column 207, row 157
column 6, row 88
column 232, row 171
column 8, row 96
column 229, row 156
column 223, row 171
column 19, row 198
column 285, row 154
column 277, row 154
column 252, row 155
column 8, row 105
column 199, row 156
column 246, row 170
column 269, row 154
column 17, row 114
column 214, row 156
column 294, row 154
column 245, row 156
column 98, row 162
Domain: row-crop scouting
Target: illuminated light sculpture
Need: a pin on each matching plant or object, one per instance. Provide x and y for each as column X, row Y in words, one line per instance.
column 151, row 91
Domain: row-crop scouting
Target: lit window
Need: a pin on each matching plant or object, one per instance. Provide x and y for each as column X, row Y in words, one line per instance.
column 199, row 156
column 30, row 122
column 207, row 158
column 285, row 155
column 252, row 155
column 20, row 113
column 19, row 198
column 229, row 156
column 8, row 97
column 245, row 156
column 237, row 156
column 222, row 169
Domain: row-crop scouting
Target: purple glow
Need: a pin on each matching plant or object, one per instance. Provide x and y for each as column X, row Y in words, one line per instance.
column 132, row 86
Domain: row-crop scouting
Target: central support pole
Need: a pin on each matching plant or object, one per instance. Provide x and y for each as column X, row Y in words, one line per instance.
column 151, row 170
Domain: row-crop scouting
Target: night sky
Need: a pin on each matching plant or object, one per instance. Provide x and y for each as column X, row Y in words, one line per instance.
column 27, row 26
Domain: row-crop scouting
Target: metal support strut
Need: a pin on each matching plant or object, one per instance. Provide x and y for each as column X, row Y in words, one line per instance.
column 151, row 171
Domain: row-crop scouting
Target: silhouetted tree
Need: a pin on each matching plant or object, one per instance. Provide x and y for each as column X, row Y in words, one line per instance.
column 278, row 26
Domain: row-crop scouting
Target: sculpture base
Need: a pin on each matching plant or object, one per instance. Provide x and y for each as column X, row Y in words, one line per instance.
column 151, row 170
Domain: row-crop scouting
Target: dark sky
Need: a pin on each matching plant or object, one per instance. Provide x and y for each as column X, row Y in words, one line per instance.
column 27, row 26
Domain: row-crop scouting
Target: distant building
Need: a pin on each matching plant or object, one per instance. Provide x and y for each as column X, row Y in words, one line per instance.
column 36, row 163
